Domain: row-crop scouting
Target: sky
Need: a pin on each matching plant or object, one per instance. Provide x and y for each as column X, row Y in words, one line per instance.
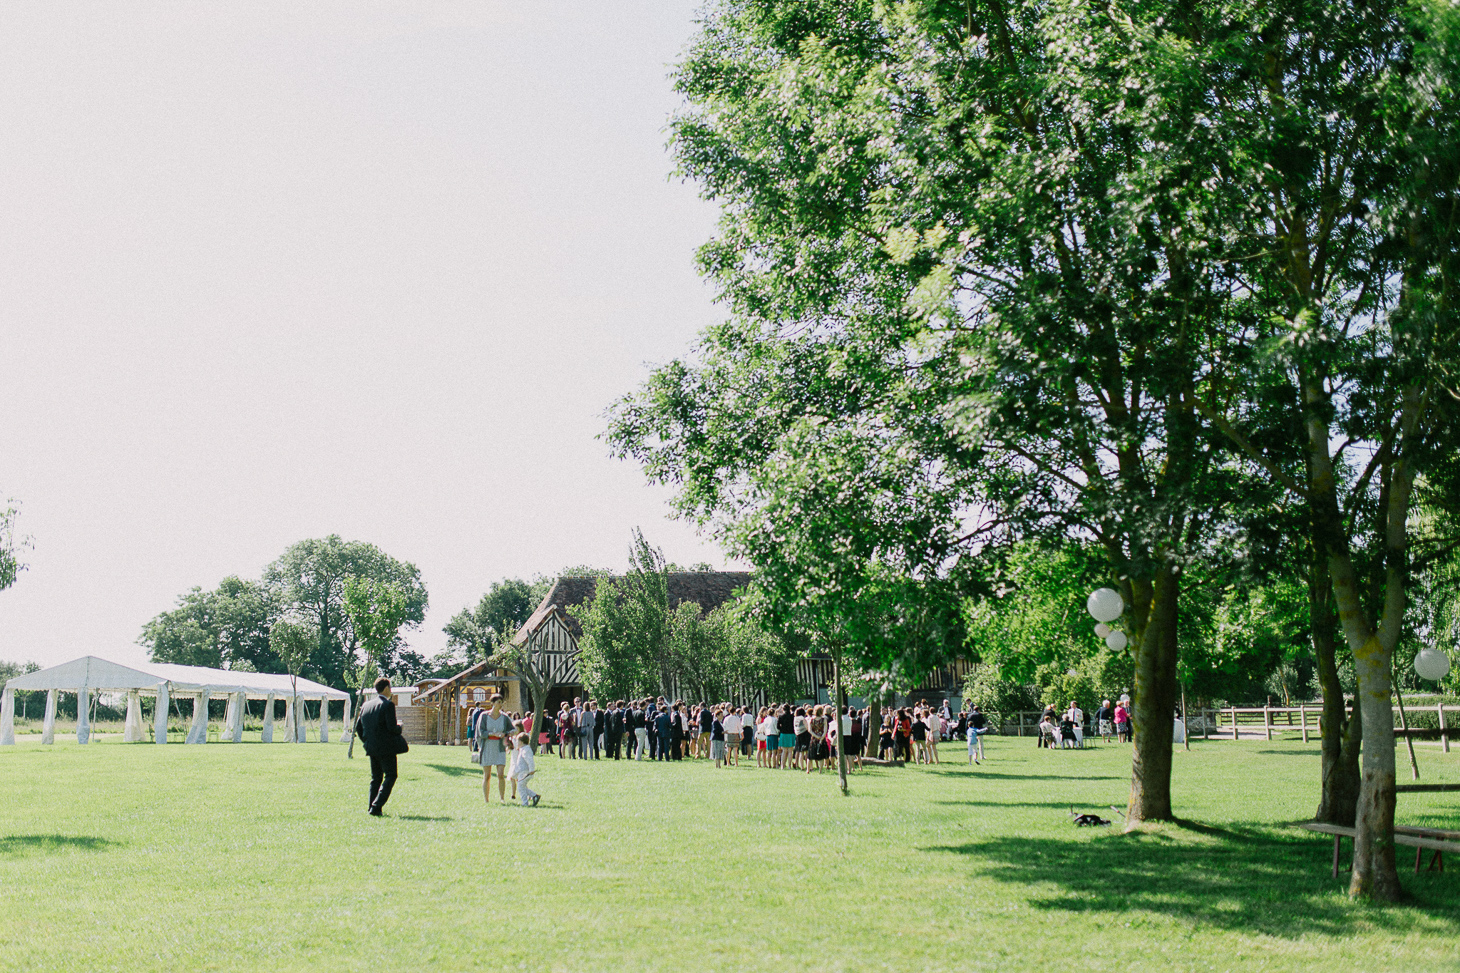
column 271, row 271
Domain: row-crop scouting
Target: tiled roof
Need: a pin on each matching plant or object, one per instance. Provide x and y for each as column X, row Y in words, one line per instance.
column 708, row 589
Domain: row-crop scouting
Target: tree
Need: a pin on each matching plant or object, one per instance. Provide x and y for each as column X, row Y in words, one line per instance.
column 624, row 650
column 505, row 606
column 970, row 293
column 294, row 642
column 540, row 671
column 377, row 609
column 225, row 628
column 1346, row 235
column 10, row 545
column 310, row 577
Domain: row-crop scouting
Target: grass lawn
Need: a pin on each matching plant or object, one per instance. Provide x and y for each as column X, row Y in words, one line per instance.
column 262, row 858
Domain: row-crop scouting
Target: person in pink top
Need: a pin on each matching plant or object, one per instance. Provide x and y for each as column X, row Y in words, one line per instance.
column 1122, row 721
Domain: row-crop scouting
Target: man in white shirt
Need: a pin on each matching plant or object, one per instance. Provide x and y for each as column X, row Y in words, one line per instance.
column 731, row 724
column 1077, row 716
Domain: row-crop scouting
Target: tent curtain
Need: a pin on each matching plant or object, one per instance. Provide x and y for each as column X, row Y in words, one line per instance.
column 198, row 733
column 347, row 729
column 48, row 728
column 268, row 731
column 159, row 716
column 324, row 721
column 132, row 730
column 240, row 709
column 289, row 715
column 7, row 719
column 83, row 715
column 301, row 724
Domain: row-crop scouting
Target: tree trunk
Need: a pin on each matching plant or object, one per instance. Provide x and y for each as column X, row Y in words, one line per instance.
column 1374, row 872
column 1155, row 705
column 1339, row 801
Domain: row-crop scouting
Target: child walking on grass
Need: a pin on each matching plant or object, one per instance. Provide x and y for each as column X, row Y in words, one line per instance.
column 523, row 767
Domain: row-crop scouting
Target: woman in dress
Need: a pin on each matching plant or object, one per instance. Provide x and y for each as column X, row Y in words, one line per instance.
column 494, row 729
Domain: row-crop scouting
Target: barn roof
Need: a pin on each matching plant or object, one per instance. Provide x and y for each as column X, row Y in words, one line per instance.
column 708, row 589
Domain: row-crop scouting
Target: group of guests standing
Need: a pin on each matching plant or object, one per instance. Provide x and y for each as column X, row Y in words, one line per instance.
column 1067, row 729
column 783, row 736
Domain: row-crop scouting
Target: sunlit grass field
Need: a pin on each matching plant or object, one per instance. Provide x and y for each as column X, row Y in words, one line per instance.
column 222, row 857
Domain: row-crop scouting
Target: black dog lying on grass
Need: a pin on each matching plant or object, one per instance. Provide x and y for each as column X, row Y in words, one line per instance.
column 1086, row 820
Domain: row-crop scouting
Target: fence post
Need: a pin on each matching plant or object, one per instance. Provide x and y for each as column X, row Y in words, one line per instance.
column 1267, row 720
column 1303, row 718
column 1233, row 711
column 1206, row 727
column 1444, row 733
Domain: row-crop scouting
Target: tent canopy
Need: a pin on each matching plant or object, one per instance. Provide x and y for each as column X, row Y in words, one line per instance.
column 100, row 675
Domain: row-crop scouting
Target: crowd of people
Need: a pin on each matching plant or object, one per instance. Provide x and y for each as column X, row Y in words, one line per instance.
column 782, row 736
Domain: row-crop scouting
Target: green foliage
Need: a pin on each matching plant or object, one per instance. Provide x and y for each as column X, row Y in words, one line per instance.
column 226, row 628
column 294, row 641
column 377, row 609
column 633, row 644
column 505, row 606
column 10, row 546
column 311, row 576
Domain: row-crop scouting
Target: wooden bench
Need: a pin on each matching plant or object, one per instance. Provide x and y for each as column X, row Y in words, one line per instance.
column 1421, row 840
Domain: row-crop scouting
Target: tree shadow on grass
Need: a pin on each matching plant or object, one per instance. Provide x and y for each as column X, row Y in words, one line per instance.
column 421, row 817
column 1250, row 878
column 454, row 771
column 1313, row 752
column 1061, row 805
column 993, row 775
column 20, row 845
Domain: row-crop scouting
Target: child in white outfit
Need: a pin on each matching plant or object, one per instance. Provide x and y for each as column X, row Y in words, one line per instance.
column 523, row 767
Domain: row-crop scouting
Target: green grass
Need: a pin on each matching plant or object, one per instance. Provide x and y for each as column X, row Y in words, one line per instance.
column 261, row 857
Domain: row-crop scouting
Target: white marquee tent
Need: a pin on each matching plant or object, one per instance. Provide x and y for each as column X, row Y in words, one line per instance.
column 89, row 674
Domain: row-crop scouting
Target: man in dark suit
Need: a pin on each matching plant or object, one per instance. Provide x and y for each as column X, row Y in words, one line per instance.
column 615, row 732
column 600, row 728
column 380, row 733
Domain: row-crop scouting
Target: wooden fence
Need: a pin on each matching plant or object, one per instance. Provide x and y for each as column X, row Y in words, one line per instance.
column 1259, row 722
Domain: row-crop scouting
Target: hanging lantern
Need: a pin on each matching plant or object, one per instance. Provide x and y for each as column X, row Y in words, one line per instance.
column 1102, row 630
column 1116, row 641
column 1431, row 664
column 1105, row 604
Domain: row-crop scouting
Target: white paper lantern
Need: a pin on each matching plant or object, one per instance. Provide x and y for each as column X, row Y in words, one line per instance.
column 1105, row 604
column 1102, row 630
column 1116, row 641
column 1431, row 664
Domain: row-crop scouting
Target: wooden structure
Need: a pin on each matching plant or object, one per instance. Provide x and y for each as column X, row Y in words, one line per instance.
column 439, row 713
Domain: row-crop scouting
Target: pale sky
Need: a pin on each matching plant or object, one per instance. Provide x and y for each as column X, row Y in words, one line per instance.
column 271, row 271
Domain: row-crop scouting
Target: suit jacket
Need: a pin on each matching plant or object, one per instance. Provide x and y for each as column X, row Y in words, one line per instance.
column 376, row 725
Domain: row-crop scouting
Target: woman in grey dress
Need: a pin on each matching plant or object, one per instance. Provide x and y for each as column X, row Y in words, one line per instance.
column 494, row 731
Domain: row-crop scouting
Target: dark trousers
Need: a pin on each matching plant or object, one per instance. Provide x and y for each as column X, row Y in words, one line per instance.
column 614, row 741
column 382, row 779
column 653, row 744
column 663, row 746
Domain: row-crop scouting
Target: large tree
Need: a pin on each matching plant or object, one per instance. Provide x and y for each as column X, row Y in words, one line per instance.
column 225, row 628
column 971, row 293
column 1340, row 166
column 311, row 577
